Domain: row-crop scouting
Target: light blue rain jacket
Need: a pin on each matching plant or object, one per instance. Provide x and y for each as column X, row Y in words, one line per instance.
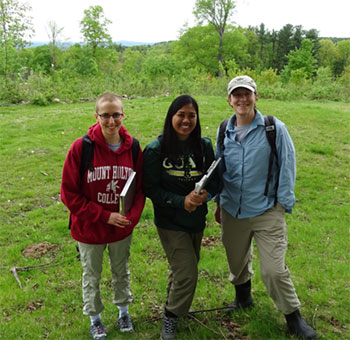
column 245, row 168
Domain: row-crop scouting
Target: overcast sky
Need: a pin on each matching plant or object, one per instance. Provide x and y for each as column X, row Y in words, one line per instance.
column 161, row 20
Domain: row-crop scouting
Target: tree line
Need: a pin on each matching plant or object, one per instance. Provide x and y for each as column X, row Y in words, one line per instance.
column 290, row 63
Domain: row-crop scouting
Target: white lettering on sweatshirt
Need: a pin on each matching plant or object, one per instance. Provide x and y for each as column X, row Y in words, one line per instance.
column 99, row 174
column 102, row 173
column 109, row 198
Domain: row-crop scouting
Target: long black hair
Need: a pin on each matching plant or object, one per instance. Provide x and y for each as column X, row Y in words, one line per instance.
column 170, row 147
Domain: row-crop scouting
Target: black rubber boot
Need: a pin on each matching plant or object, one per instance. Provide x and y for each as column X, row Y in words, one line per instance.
column 297, row 326
column 243, row 297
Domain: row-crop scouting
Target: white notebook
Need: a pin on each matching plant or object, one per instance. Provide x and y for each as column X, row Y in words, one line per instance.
column 127, row 194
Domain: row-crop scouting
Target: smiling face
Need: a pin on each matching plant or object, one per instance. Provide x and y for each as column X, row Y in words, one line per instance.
column 243, row 102
column 184, row 121
column 110, row 126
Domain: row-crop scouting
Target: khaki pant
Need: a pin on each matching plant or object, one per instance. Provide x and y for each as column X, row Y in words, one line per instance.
column 183, row 252
column 270, row 234
column 91, row 256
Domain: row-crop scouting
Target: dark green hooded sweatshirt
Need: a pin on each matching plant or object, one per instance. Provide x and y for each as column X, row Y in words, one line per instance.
column 167, row 185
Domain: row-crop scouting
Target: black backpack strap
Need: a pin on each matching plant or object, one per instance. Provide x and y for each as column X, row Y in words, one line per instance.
column 221, row 136
column 87, row 155
column 135, row 151
column 270, row 129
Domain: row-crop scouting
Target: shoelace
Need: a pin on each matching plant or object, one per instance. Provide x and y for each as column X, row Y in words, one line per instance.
column 125, row 322
column 99, row 328
column 170, row 325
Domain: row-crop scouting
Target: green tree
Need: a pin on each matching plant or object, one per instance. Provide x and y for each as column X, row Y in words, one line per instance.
column 236, row 47
column 132, row 61
column 216, row 13
column 263, row 47
column 15, row 27
column 327, row 53
column 94, row 28
column 197, row 47
column 272, row 52
column 40, row 62
column 301, row 60
column 298, row 35
column 53, row 32
column 290, row 38
column 158, row 65
column 77, row 60
column 343, row 52
column 284, row 45
column 253, row 49
column 314, row 37
column 263, row 39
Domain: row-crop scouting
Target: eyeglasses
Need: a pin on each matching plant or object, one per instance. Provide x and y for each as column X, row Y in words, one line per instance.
column 115, row 116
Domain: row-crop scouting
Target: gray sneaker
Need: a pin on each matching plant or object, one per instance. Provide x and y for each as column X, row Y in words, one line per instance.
column 125, row 324
column 169, row 328
column 97, row 331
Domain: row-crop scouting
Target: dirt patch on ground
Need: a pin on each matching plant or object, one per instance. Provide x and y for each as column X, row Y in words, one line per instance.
column 40, row 249
column 210, row 241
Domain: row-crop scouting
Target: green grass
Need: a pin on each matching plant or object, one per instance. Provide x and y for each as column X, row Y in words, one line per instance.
column 34, row 143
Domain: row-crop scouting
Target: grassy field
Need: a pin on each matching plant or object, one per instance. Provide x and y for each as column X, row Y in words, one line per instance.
column 34, row 143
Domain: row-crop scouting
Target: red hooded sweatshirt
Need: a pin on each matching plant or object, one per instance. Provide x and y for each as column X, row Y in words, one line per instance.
column 92, row 198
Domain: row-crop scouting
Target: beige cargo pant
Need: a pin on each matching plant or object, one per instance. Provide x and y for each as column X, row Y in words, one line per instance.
column 269, row 231
column 91, row 256
column 182, row 250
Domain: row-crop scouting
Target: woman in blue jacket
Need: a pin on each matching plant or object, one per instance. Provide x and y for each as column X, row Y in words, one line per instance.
column 245, row 210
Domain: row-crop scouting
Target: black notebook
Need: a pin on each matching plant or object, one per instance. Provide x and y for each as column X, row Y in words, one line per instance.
column 127, row 194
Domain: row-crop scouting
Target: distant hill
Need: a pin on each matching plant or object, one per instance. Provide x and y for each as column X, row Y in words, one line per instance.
column 37, row 43
column 120, row 42
column 335, row 39
column 128, row 43
column 132, row 43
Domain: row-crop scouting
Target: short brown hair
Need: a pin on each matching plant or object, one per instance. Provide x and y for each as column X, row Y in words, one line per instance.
column 108, row 97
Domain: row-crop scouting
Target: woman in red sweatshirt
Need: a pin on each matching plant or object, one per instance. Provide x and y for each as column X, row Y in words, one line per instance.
column 93, row 201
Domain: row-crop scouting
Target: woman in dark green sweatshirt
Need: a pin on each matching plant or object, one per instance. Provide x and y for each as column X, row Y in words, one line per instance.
column 173, row 163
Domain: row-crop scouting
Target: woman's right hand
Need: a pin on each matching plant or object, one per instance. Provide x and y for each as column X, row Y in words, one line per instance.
column 194, row 200
column 118, row 220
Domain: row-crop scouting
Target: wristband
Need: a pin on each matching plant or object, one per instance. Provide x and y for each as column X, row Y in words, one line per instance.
column 209, row 197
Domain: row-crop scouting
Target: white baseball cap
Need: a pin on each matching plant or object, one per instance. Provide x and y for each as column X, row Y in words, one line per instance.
column 241, row 81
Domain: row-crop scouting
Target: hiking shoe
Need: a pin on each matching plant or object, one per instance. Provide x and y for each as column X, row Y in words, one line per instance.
column 169, row 328
column 243, row 299
column 237, row 305
column 125, row 324
column 298, row 327
column 97, row 331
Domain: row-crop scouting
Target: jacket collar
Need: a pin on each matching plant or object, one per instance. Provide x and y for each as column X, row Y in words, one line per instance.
column 258, row 120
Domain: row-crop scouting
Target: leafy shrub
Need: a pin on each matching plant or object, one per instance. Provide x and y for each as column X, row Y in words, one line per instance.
column 40, row 99
column 324, row 76
column 40, row 89
column 268, row 77
column 298, row 77
column 232, row 68
column 68, row 87
column 283, row 93
column 344, row 84
column 11, row 92
column 249, row 72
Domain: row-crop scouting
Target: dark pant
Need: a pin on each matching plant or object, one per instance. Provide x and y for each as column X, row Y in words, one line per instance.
column 183, row 252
